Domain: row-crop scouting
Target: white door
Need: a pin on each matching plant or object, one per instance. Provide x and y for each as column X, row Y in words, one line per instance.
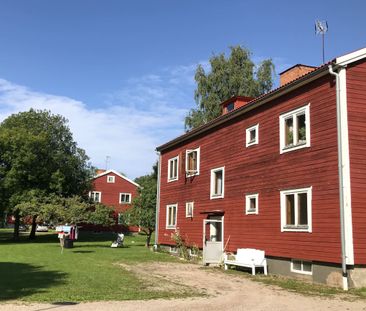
column 212, row 240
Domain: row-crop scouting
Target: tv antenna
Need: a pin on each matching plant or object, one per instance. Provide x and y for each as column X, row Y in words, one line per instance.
column 321, row 27
column 107, row 160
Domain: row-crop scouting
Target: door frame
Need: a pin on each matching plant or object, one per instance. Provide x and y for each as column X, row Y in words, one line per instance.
column 208, row 220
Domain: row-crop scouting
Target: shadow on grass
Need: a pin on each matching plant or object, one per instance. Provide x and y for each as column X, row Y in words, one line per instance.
column 19, row 280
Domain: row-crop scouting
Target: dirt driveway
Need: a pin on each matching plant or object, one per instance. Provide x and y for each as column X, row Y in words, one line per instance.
column 224, row 292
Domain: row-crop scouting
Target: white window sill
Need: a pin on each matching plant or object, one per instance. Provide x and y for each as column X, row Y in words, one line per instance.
column 296, row 228
column 295, row 147
column 252, row 143
column 251, row 212
column 173, row 179
column 192, row 174
column 170, row 227
column 216, row 196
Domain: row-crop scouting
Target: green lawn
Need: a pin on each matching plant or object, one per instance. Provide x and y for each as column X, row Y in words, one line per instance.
column 37, row 271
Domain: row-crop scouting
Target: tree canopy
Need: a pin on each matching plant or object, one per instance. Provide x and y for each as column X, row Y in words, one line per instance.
column 236, row 75
column 39, row 157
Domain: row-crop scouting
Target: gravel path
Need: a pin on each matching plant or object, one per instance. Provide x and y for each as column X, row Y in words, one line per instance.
column 225, row 292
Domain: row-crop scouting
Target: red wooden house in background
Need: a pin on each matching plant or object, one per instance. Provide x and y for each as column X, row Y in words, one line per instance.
column 113, row 189
column 284, row 173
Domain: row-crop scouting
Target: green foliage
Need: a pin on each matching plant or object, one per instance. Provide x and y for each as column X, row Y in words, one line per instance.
column 143, row 210
column 236, row 75
column 39, row 157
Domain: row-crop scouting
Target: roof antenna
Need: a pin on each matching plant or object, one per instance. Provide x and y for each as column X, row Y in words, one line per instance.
column 107, row 160
column 321, row 27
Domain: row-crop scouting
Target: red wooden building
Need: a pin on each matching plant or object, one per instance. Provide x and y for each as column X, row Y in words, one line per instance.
column 284, row 173
column 113, row 189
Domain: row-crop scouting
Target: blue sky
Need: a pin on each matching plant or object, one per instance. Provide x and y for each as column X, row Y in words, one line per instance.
column 122, row 71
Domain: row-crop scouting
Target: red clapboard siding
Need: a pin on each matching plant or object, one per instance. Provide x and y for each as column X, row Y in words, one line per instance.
column 262, row 169
column 356, row 96
column 110, row 193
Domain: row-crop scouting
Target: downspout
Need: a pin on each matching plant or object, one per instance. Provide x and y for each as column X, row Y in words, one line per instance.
column 340, row 174
column 157, row 203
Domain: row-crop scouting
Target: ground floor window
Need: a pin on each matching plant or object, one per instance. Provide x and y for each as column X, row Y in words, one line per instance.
column 301, row 266
column 296, row 210
column 251, row 204
column 171, row 216
column 96, row 196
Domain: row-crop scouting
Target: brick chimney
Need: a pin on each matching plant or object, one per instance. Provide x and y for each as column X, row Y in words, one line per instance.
column 99, row 171
column 294, row 72
column 234, row 103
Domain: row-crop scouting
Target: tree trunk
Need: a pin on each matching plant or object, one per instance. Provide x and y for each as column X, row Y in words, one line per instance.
column 32, row 234
column 148, row 238
column 16, row 225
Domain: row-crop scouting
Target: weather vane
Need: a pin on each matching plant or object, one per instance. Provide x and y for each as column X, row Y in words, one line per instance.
column 321, row 27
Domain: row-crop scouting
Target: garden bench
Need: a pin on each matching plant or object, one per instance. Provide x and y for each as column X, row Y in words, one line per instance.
column 247, row 257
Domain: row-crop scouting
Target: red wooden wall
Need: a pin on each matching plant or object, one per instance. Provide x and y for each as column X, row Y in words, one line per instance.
column 262, row 169
column 356, row 95
column 110, row 193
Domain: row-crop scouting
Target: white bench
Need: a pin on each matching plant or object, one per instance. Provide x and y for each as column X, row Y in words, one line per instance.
column 247, row 257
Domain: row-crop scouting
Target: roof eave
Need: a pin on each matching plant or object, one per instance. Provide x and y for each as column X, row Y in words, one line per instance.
column 316, row 74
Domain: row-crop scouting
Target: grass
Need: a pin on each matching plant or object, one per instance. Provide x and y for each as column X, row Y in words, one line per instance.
column 37, row 271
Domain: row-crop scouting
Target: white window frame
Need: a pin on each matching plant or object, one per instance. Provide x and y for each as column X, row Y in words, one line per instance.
column 293, row 113
column 92, row 195
column 111, row 179
column 249, row 143
column 212, row 183
column 249, row 211
column 172, row 160
column 197, row 172
column 168, row 207
column 302, row 267
column 125, row 194
column 188, row 204
column 296, row 228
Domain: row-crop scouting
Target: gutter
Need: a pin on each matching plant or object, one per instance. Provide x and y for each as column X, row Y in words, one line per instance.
column 157, row 203
column 343, row 171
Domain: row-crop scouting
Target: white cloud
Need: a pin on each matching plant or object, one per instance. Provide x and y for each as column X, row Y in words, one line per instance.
column 142, row 114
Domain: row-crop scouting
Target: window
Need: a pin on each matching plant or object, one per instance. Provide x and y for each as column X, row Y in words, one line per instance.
column 230, row 107
column 295, row 129
column 193, row 162
column 111, row 179
column 171, row 216
column 173, row 169
column 251, row 136
column 96, row 196
column 217, row 183
column 301, row 266
column 124, row 198
column 251, row 204
column 296, row 210
column 189, row 209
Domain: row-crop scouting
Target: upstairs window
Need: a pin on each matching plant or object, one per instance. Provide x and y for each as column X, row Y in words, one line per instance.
column 217, row 183
column 295, row 129
column 173, row 169
column 251, row 204
column 111, row 179
column 296, row 210
column 189, row 209
column 252, row 136
column 96, row 196
column 230, row 107
column 192, row 162
column 171, row 216
column 124, row 198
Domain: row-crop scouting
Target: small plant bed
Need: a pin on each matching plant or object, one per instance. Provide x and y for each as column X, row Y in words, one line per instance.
column 91, row 271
